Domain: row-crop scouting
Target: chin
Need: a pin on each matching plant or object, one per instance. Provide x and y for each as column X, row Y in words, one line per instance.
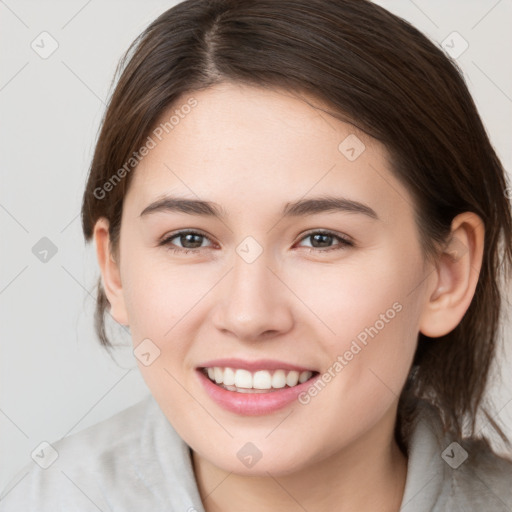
column 255, row 459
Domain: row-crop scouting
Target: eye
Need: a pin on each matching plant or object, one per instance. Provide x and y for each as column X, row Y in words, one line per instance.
column 323, row 240
column 190, row 241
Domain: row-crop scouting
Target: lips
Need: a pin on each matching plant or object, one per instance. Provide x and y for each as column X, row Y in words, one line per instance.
column 252, row 366
column 254, row 387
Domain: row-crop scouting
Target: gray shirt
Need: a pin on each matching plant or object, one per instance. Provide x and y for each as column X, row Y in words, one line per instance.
column 135, row 461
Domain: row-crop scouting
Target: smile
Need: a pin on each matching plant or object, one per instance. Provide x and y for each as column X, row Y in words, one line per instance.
column 252, row 388
column 261, row 381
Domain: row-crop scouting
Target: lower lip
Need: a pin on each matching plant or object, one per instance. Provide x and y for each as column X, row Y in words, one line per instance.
column 252, row 404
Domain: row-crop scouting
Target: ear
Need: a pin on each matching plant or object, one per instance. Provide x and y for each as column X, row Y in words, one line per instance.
column 455, row 277
column 110, row 273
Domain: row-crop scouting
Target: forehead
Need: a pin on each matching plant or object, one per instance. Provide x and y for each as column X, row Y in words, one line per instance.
column 239, row 144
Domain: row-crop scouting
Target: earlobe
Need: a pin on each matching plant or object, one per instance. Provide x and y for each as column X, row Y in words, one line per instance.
column 110, row 272
column 455, row 277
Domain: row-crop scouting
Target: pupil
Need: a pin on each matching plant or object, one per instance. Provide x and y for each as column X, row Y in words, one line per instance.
column 189, row 238
column 320, row 240
column 324, row 239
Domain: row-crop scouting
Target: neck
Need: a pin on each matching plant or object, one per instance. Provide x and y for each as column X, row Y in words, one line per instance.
column 367, row 476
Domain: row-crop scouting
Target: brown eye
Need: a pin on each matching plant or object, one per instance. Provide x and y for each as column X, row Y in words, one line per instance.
column 187, row 241
column 324, row 240
column 190, row 240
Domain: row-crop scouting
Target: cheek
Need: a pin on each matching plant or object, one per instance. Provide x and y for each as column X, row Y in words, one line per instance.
column 366, row 363
column 162, row 300
column 370, row 316
column 159, row 295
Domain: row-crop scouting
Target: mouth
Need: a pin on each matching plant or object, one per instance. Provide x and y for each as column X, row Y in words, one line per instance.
column 252, row 388
column 241, row 380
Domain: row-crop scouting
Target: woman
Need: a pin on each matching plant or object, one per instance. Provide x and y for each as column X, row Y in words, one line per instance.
column 300, row 217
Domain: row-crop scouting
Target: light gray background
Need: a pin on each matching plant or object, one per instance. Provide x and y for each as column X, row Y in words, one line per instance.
column 55, row 378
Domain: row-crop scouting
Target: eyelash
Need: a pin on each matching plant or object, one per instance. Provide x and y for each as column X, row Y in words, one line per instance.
column 344, row 242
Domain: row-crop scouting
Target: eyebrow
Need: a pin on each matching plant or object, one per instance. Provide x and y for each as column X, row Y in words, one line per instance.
column 299, row 208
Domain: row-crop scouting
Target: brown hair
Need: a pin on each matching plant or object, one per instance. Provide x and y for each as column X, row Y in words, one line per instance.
column 375, row 71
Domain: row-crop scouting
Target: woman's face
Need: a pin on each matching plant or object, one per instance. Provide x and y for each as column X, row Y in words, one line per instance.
column 268, row 286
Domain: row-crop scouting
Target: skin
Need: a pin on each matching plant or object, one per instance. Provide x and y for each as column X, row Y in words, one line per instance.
column 252, row 150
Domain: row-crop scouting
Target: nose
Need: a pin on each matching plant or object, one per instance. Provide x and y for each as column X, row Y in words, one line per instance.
column 254, row 304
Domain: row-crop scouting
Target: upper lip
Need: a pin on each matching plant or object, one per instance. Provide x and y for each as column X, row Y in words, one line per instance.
column 252, row 366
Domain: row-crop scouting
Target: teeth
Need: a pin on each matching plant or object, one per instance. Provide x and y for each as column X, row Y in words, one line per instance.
column 279, row 379
column 229, row 376
column 304, row 376
column 218, row 375
column 292, row 378
column 243, row 380
column 262, row 380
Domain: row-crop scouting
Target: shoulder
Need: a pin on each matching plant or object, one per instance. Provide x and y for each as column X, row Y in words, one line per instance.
column 446, row 474
column 484, row 478
column 110, row 465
